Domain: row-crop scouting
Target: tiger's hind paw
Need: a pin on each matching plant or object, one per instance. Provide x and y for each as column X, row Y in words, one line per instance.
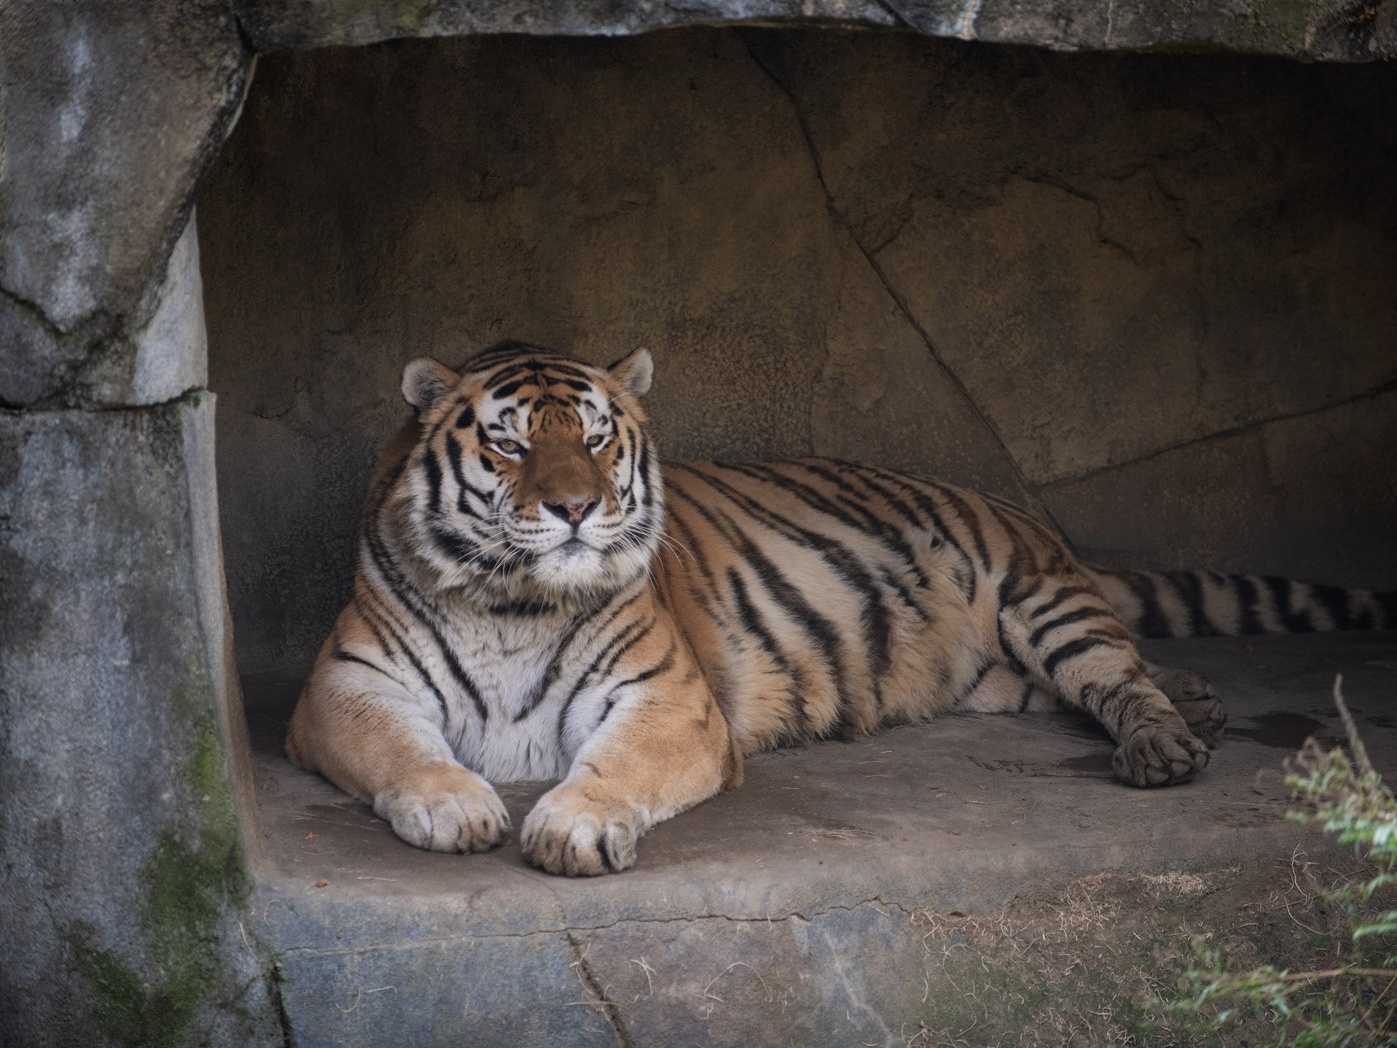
column 1159, row 755
column 1194, row 699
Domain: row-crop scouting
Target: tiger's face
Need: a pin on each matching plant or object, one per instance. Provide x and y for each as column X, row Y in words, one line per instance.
column 534, row 479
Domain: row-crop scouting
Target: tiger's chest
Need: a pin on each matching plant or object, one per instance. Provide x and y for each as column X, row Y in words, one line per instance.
column 505, row 703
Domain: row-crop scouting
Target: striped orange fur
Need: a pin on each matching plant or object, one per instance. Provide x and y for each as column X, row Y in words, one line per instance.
column 538, row 598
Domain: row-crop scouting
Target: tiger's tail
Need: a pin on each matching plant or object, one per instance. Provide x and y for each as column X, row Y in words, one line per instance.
column 1210, row 604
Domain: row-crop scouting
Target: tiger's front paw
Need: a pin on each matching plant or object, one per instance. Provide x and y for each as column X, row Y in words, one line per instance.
column 1159, row 755
column 445, row 808
column 575, row 835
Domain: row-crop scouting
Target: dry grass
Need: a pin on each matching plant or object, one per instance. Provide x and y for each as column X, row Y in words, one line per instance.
column 1089, row 963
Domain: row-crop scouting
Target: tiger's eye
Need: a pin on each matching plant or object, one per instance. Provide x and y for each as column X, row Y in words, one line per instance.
column 596, row 440
column 509, row 447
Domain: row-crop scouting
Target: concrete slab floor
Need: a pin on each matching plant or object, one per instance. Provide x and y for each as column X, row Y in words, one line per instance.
column 837, row 843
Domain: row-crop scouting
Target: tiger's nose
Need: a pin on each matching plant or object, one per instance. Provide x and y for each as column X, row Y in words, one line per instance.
column 574, row 511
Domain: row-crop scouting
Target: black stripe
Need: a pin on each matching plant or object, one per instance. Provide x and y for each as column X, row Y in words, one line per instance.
column 821, row 631
column 641, row 470
column 526, row 609
column 344, row 656
column 870, row 524
column 459, row 549
column 1022, row 583
column 382, row 643
column 975, row 683
column 433, row 468
column 1006, row 646
column 1062, row 556
column 1248, row 602
column 555, row 665
column 665, row 663
column 753, row 624
column 1022, row 562
column 412, row 659
column 877, row 629
column 625, row 639
column 1071, row 650
column 1106, row 705
column 929, row 520
column 1026, row 696
column 1189, row 586
column 629, row 636
column 1335, row 601
column 1064, row 593
column 857, row 516
column 1281, row 590
column 1036, row 637
column 458, row 473
column 419, row 606
column 459, row 673
column 1152, row 621
column 968, row 521
column 559, row 366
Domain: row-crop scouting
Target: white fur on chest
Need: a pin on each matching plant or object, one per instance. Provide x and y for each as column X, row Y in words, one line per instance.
column 507, row 661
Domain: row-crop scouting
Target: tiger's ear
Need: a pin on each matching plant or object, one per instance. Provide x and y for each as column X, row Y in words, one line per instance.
column 634, row 372
column 425, row 381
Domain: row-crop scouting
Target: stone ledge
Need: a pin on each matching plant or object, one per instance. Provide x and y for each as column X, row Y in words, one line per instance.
column 811, row 886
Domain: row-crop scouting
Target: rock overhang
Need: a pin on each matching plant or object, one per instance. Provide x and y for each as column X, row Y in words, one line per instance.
column 113, row 115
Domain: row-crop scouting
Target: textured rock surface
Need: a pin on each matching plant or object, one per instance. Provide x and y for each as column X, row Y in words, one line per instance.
column 122, row 878
column 109, row 114
column 1149, row 295
column 1317, row 29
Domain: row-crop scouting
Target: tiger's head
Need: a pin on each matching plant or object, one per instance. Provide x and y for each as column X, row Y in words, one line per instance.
column 533, row 477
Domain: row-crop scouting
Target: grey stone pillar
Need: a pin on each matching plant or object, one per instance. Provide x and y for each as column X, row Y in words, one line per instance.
column 123, row 872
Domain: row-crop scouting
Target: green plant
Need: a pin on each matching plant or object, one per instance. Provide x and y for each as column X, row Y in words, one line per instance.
column 1352, row 1003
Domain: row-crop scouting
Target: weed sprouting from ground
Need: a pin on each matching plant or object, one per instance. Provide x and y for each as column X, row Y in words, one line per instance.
column 1351, row 1003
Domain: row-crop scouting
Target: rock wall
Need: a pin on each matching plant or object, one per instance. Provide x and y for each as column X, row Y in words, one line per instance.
column 1147, row 296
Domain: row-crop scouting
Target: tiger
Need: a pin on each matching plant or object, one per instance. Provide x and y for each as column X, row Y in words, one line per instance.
column 539, row 597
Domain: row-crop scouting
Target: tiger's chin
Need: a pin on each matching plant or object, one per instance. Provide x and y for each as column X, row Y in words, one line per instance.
column 571, row 567
column 574, row 568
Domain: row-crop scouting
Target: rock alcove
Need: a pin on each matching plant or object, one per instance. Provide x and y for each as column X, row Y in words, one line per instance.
column 1146, row 293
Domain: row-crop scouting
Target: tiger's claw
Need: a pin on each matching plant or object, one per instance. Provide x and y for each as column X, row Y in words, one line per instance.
column 1159, row 755
column 569, row 835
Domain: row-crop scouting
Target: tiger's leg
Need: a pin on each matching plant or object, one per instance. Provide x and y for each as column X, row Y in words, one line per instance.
column 1081, row 650
column 1193, row 697
column 376, row 741
column 661, row 747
